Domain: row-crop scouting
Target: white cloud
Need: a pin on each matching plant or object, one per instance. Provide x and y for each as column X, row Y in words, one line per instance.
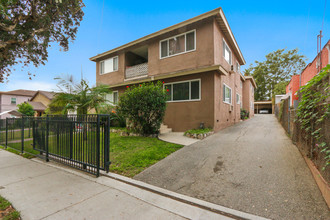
column 29, row 85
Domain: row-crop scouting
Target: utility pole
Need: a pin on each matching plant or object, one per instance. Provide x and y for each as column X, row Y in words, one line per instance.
column 319, row 50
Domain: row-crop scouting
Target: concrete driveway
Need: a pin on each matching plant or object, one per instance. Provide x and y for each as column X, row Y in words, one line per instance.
column 251, row 166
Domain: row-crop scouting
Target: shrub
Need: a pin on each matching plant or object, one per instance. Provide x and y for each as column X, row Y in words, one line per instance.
column 26, row 109
column 116, row 120
column 244, row 114
column 144, row 107
column 199, row 131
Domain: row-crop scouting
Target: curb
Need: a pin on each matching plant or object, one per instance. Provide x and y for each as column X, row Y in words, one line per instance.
column 321, row 183
column 185, row 199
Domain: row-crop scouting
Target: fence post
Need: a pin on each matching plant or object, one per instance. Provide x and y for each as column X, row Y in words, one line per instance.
column 22, row 135
column 6, row 133
column 47, row 134
column 98, row 147
column 71, row 139
column 33, row 133
column 107, row 145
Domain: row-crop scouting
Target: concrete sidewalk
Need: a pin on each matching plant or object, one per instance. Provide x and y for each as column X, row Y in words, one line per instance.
column 42, row 190
column 177, row 138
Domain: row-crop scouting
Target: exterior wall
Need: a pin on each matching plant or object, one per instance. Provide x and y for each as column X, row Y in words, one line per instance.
column 41, row 98
column 310, row 71
column 202, row 56
column 218, row 49
column 6, row 103
column 248, row 97
column 223, row 116
column 184, row 115
column 115, row 77
column 293, row 88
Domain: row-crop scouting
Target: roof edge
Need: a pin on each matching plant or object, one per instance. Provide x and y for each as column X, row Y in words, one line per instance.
column 208, row 14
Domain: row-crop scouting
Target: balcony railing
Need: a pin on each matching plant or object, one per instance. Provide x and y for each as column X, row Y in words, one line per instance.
column 136, row 71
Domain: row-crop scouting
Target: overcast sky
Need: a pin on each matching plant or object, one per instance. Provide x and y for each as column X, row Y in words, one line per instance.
column 259, row 27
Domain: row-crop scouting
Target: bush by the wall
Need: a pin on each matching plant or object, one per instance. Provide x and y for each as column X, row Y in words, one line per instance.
column 144, row 107
column 244, row 114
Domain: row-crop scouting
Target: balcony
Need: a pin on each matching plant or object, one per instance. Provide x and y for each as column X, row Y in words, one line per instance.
column 136, row 71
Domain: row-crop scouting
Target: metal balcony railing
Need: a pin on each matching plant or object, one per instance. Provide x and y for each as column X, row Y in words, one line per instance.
column 136, row 71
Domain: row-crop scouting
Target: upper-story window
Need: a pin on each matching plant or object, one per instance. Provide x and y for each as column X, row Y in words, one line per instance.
column 13, row 101
column 238, row 101
column 178, row 44
column 238, row 67
column 226, row 52
column 109, row 65
column 184, row 90
column 226, row 94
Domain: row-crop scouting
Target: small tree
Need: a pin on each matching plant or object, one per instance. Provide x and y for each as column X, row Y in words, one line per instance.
column 26, row 109
column 144, row 106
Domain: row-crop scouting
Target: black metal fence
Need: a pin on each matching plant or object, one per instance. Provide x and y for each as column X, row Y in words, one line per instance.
column 80, row 141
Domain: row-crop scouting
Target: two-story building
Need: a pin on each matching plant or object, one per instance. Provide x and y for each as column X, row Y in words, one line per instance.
column 9, row 100
column 199, row 62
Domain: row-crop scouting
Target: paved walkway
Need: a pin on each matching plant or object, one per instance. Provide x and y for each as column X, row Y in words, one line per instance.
column 177, row 138
column 251, row 166
column 41, row 190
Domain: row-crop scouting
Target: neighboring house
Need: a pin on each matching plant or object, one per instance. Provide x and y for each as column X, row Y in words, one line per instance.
column 40, row 101
column 9, row 100
column 292, row 89
column 311, row 70
column 198, row 61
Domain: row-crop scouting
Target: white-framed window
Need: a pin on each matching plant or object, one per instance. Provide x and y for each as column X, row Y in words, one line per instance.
column 238, row 98
column 226, row 51
column 112, row 98
column 109, row 65
column 226, row 98
column 241, row 84
column 13, row 101
column 178, row 44
column 183, row 91
column 238, row 67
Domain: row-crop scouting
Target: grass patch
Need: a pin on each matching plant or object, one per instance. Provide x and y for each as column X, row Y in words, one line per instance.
column 128, row 155
column 131, row 155
column 7, row 212
column 198, row 131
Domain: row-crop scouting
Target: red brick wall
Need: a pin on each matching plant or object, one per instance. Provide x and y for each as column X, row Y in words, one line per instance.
column 311, row 70
column 293, row 87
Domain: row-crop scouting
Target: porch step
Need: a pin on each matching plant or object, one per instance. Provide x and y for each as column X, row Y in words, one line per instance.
column 164, row 129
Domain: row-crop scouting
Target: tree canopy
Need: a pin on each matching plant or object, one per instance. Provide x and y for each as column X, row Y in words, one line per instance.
column 28, row 27
column 278, row 67
column 26, row 109
column 79, row 96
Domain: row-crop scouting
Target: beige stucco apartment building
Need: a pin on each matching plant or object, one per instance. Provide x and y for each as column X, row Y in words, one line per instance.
column 199, row 62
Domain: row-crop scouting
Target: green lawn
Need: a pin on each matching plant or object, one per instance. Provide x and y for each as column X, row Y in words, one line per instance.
column 7, row 212
column 128, row 155
column 131, row 155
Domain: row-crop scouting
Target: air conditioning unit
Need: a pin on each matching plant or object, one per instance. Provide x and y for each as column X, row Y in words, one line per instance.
column 231, row 108
column 231, row 69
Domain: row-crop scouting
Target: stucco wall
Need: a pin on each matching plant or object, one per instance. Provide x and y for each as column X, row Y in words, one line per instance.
column 248, row 97
column 6, row 103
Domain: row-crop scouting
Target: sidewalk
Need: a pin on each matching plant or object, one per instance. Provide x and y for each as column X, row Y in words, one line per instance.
column 42, row 190
column 177, row 138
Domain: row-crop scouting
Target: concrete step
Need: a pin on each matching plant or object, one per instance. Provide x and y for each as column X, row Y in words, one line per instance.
column 164, row 129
